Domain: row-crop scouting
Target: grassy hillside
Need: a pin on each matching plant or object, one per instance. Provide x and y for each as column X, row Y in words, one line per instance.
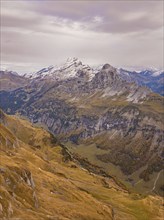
column 38, row 181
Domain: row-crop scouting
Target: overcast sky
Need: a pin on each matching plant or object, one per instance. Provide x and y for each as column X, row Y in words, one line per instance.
column 36, row 34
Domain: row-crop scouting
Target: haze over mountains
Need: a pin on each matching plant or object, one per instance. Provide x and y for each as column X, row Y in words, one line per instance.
column 99, row 114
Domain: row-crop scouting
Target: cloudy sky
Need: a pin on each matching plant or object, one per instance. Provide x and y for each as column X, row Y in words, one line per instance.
column 35, row 34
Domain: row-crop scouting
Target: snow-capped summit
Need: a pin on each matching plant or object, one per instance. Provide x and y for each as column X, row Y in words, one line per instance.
column 68, row 69
column 70, row 62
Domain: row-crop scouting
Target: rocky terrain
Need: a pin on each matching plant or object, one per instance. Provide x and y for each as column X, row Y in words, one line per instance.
column 152, row 78
column 112, row 122
column 40, row 179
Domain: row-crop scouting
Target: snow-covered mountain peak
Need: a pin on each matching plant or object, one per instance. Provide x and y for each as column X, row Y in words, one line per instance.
column 69, row 69
column 70, row 62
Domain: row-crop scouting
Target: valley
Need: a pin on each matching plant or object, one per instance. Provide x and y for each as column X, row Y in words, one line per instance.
column 115, row 124
column 41, row 180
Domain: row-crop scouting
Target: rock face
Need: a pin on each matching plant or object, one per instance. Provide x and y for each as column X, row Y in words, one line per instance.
column 84, row 107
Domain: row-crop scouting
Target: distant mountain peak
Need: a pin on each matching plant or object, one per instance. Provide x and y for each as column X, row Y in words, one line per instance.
column 108, row 67
column 69, row 69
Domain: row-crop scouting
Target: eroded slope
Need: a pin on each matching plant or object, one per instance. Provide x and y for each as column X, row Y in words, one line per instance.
column 39, row 182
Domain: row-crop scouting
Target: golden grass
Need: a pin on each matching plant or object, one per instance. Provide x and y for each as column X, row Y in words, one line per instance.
column 63, row 189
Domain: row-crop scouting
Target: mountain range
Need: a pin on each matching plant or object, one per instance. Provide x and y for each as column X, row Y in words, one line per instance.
column 103, row 115
column 152, row 78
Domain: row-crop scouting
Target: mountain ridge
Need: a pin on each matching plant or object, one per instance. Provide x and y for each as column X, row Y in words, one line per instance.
column 107, row 114
column 150, row 77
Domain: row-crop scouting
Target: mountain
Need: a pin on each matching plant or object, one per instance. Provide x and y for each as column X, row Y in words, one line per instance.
column 67, row 70
column 11, row 80
column 115, row 124
column 152, row 78
column 41, row 180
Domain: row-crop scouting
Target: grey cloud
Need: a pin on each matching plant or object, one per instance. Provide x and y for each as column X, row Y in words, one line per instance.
column 113, row 13
column 36, row 33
